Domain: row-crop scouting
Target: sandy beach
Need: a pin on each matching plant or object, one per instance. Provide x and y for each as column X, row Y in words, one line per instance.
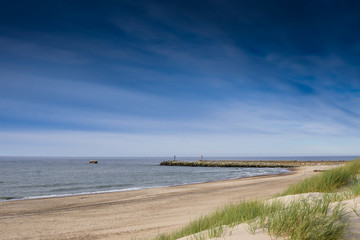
column 125, row 215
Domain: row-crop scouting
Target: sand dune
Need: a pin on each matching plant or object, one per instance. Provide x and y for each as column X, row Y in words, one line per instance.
column 352, row 208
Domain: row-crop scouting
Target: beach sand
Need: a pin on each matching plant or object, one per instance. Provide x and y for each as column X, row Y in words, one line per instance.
column 141, row 214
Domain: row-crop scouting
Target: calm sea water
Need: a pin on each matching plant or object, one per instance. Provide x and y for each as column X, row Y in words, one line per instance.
column 36, row 177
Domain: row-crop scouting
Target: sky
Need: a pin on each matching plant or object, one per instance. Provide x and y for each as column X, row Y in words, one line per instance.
column 185, row 78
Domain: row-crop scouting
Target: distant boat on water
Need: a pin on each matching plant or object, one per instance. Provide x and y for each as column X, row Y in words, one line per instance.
column 93, row 161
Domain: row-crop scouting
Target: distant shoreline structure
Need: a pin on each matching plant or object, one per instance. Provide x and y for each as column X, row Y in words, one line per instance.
column 250, row 164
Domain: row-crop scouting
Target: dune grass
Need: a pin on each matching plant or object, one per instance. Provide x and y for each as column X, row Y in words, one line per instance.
column 329, row 181
column 303, row 219
column 298, row 220
column 229, row 215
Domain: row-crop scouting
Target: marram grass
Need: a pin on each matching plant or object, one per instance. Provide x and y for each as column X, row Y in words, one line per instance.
column 229, row 215
column 328, row 181
column 303, row 219
column 298, row 220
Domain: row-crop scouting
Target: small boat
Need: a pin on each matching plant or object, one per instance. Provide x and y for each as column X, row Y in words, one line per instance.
column 93, row 161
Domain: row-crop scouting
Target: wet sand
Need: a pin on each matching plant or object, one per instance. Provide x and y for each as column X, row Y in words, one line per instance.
column 125, row 215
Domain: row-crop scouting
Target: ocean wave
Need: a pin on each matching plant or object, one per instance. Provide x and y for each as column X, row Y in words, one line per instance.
column 8, row 198
column 112, row 186
column 51, row 185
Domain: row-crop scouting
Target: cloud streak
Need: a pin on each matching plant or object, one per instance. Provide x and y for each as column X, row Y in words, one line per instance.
column 82, row 143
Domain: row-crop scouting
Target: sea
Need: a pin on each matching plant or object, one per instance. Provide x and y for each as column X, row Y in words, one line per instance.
column 42, row 177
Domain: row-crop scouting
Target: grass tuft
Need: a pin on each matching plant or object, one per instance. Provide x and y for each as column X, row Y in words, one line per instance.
column 303, row 219
column 229, row 215
column 328, row 181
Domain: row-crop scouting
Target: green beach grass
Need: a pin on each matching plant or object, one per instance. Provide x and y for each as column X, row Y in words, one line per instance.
column 329, row 181
column 299, row 219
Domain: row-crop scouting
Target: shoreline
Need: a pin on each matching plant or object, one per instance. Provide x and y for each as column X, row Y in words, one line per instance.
column 129, row 214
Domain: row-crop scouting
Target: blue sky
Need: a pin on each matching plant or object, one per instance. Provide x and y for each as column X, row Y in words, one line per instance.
column 158, row 78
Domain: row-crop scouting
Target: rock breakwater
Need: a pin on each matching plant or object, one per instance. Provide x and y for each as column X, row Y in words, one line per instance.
column 248, row 164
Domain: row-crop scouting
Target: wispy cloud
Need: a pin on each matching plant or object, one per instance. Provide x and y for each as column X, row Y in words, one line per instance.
column 75, row 143
column 77, row 105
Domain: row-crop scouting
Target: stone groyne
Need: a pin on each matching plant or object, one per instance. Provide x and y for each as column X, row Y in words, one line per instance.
column 252, row 164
